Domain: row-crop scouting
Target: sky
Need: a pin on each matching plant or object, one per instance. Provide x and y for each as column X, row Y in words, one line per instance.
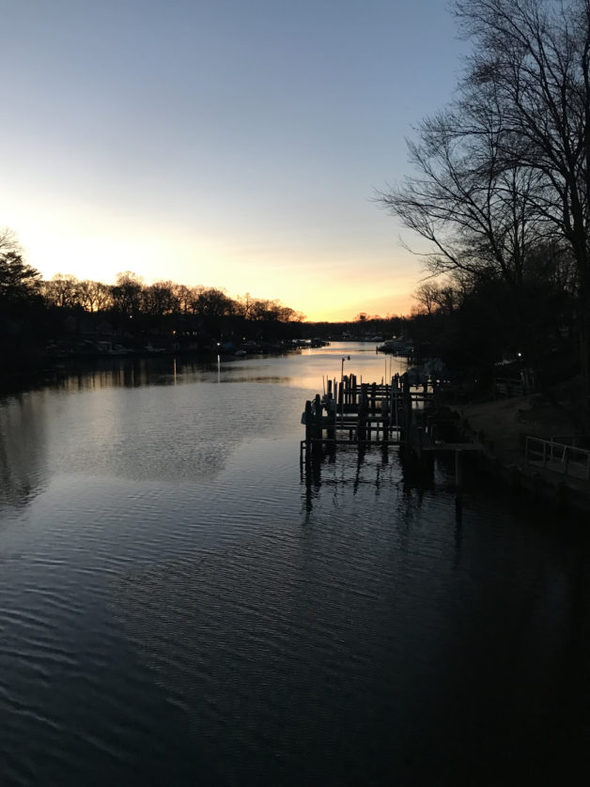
column 236, row 144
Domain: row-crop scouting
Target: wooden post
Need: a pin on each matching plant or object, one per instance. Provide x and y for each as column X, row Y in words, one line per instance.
column 331, row 409
column 317, row 424
column 308, row 422
column 385, row 418
column 406, row 426
column 362, row 415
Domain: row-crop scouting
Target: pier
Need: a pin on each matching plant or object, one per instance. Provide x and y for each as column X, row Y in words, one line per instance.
column 393, row 413
column 356, row 413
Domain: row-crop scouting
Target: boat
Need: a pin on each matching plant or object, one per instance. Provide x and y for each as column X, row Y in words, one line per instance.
column 401, row 347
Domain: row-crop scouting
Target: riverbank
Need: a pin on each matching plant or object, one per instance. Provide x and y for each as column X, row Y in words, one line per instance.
column 501, row 426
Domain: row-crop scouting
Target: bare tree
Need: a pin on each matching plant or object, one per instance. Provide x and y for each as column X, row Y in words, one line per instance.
column 476, row 213
column 159, row 299
column 62, row 290
column 9, row 241
column 426, row 298
column 94, row 296
column 214, row 309
column 533, row 57
column 245, row 305
column 505, row 173
column 182, row 294
column 127, row 294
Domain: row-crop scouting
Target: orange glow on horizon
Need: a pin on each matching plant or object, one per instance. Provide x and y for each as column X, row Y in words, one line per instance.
column 325, row 285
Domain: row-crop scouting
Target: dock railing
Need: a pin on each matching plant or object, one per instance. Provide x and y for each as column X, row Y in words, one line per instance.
column 558, row 457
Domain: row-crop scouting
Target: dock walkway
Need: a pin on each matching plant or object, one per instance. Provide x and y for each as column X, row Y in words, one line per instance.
column 377, row 414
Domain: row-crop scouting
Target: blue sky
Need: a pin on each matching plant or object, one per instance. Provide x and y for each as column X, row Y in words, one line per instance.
column 223, row 143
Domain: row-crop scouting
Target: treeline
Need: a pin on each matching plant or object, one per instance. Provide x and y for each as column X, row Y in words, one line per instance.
column 68, row 315
column 164, row 303
column 500, row 194
column 364, row 327
column 477, row 324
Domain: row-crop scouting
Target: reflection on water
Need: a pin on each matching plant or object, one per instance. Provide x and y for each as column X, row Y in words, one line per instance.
column 379, row 466
column 350, row 467
column 301, row 368
column 179, row 606
column 181, row 436
column 22, row 449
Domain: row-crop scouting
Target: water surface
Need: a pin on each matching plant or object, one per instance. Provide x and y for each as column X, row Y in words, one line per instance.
column 178, row 606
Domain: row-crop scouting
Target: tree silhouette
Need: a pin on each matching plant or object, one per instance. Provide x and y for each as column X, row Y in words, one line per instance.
column 504, row 174
column 18, row 280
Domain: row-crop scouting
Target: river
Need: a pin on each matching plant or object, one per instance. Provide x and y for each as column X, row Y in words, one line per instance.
column 179, row 607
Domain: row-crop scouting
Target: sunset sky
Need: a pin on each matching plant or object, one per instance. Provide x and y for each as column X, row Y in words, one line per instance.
column 229, row 143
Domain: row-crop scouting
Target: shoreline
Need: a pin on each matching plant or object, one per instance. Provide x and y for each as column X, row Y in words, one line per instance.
column 500, row 427
column 44, row 370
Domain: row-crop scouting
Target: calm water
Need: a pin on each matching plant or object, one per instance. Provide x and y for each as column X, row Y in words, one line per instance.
column 177, row 607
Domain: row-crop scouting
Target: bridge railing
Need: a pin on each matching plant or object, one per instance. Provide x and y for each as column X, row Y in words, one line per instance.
column 558, row 457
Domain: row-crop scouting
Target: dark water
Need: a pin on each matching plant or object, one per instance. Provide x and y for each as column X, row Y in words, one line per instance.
column 177, row 607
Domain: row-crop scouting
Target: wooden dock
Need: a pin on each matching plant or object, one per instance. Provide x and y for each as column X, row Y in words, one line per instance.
column 365, row 415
